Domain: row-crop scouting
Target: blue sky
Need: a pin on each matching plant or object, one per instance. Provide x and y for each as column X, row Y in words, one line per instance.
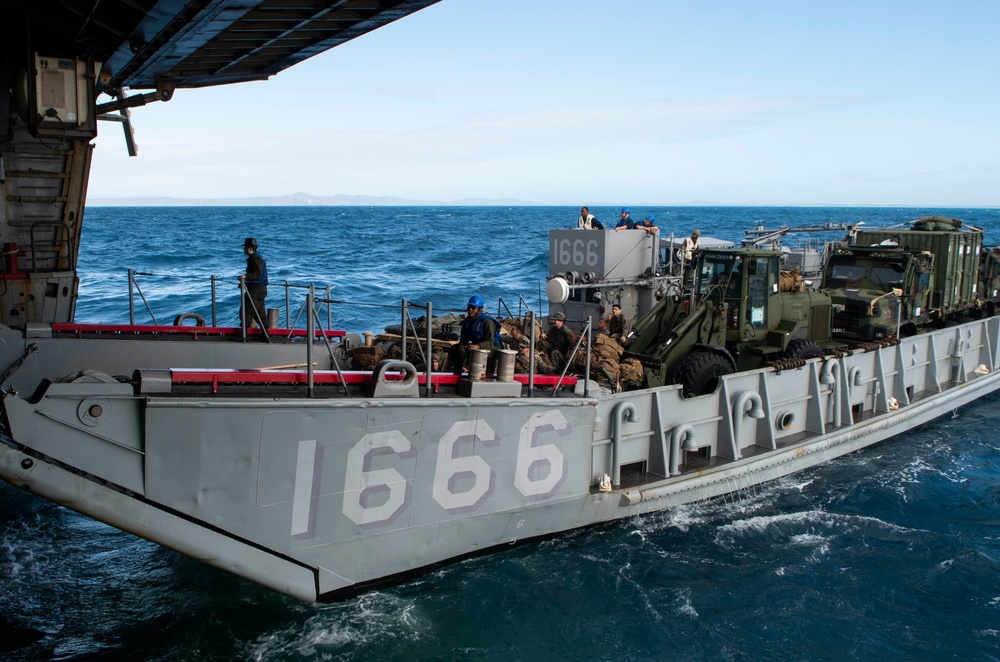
column 653, row 102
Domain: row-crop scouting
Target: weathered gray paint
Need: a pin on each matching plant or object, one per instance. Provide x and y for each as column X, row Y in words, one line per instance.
column 347, row 490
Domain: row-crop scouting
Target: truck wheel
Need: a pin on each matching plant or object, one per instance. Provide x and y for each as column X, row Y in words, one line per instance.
column 699, row 373
column 802, row 349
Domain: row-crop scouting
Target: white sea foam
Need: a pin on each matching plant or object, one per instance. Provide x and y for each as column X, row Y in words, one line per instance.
column 331, row 629
column 819, row 525
column 686, row 606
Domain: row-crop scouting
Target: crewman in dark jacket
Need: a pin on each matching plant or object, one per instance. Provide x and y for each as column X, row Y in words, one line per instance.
column 252, row 311
column 618, row 326
column 479, row 331
column 561, row 340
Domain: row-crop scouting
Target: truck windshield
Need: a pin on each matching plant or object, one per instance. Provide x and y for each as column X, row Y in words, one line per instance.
column 845, row 274
column 868, row 273
column 715, row 275
column 888, row 275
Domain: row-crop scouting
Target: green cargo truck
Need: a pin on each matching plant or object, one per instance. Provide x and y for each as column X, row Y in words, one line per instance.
column 953, row 294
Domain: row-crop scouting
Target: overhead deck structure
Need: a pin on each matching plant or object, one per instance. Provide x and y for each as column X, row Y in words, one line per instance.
column 67, row 63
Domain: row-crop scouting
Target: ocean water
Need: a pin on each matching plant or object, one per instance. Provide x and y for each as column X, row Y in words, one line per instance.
column 892, row 552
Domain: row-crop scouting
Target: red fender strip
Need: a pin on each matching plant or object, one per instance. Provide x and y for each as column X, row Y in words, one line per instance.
column 194, row 331
column 216, row 377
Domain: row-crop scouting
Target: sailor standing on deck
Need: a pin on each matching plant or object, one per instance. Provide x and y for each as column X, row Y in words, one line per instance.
column 648, row 224
column 688, row 248
column 689, row 245
column 255, row 280
column 625, row 222
column 588, row 221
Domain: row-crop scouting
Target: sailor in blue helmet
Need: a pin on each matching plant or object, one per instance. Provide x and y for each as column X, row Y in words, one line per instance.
column 252, row 312
column 479, row 331
column 625, row 222
column 648, row 224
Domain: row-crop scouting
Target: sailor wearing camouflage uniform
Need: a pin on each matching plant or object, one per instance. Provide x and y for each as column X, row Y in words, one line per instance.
column 617, row 324
column 523, row 360
column 561, row 340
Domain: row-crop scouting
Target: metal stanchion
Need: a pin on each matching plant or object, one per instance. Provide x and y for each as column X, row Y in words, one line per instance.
column 430, row 355
column 214, row 319
column 402, row 331
column 288, row 305
column 530, row 317
column 131, row 299
column 310, row 330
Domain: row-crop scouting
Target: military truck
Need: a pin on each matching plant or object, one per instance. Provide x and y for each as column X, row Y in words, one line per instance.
column 890, row 282
column 989, row 280
column 878, row 292
column 737, row 319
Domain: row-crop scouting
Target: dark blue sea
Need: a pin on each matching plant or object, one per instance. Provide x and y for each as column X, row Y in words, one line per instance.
column 892, row 553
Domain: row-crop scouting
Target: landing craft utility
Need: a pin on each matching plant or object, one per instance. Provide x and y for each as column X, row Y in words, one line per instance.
column 290, row 464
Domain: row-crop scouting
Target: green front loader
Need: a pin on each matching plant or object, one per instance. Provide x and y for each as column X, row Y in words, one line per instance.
column 736, row 318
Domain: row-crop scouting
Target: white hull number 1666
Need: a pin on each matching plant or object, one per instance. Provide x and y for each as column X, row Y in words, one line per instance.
column 539, row 471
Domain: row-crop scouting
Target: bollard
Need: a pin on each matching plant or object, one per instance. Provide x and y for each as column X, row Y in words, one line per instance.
column 272, row 317
column 368, row 338
column 477, row 364
column 505, row 369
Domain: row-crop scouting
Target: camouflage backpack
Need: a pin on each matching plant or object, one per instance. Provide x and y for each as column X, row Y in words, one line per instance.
column 366, row 358
column 630, row 373
column 606, row 370
column 607, row 347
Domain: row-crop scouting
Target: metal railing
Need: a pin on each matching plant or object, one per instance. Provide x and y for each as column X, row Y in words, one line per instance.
column 288, row 287
column 313, row 309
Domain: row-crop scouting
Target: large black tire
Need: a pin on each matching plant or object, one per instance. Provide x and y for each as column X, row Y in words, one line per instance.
column 802, row 349
column 699, row 372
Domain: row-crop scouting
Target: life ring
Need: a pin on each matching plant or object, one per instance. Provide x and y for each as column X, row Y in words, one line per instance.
column 198, row 319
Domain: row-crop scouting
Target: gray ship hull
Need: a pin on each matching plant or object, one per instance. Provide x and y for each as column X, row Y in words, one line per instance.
column 318, row 497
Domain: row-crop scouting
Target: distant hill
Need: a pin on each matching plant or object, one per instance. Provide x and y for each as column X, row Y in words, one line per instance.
column 302, row 200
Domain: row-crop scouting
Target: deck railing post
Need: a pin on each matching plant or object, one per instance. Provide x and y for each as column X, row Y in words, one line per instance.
column 430, row 349
column 310, row 330
column 288, row 305
column 402, row 330
column 131, row 300
column 243, row 300
column 530, row 319
column 214, row 320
